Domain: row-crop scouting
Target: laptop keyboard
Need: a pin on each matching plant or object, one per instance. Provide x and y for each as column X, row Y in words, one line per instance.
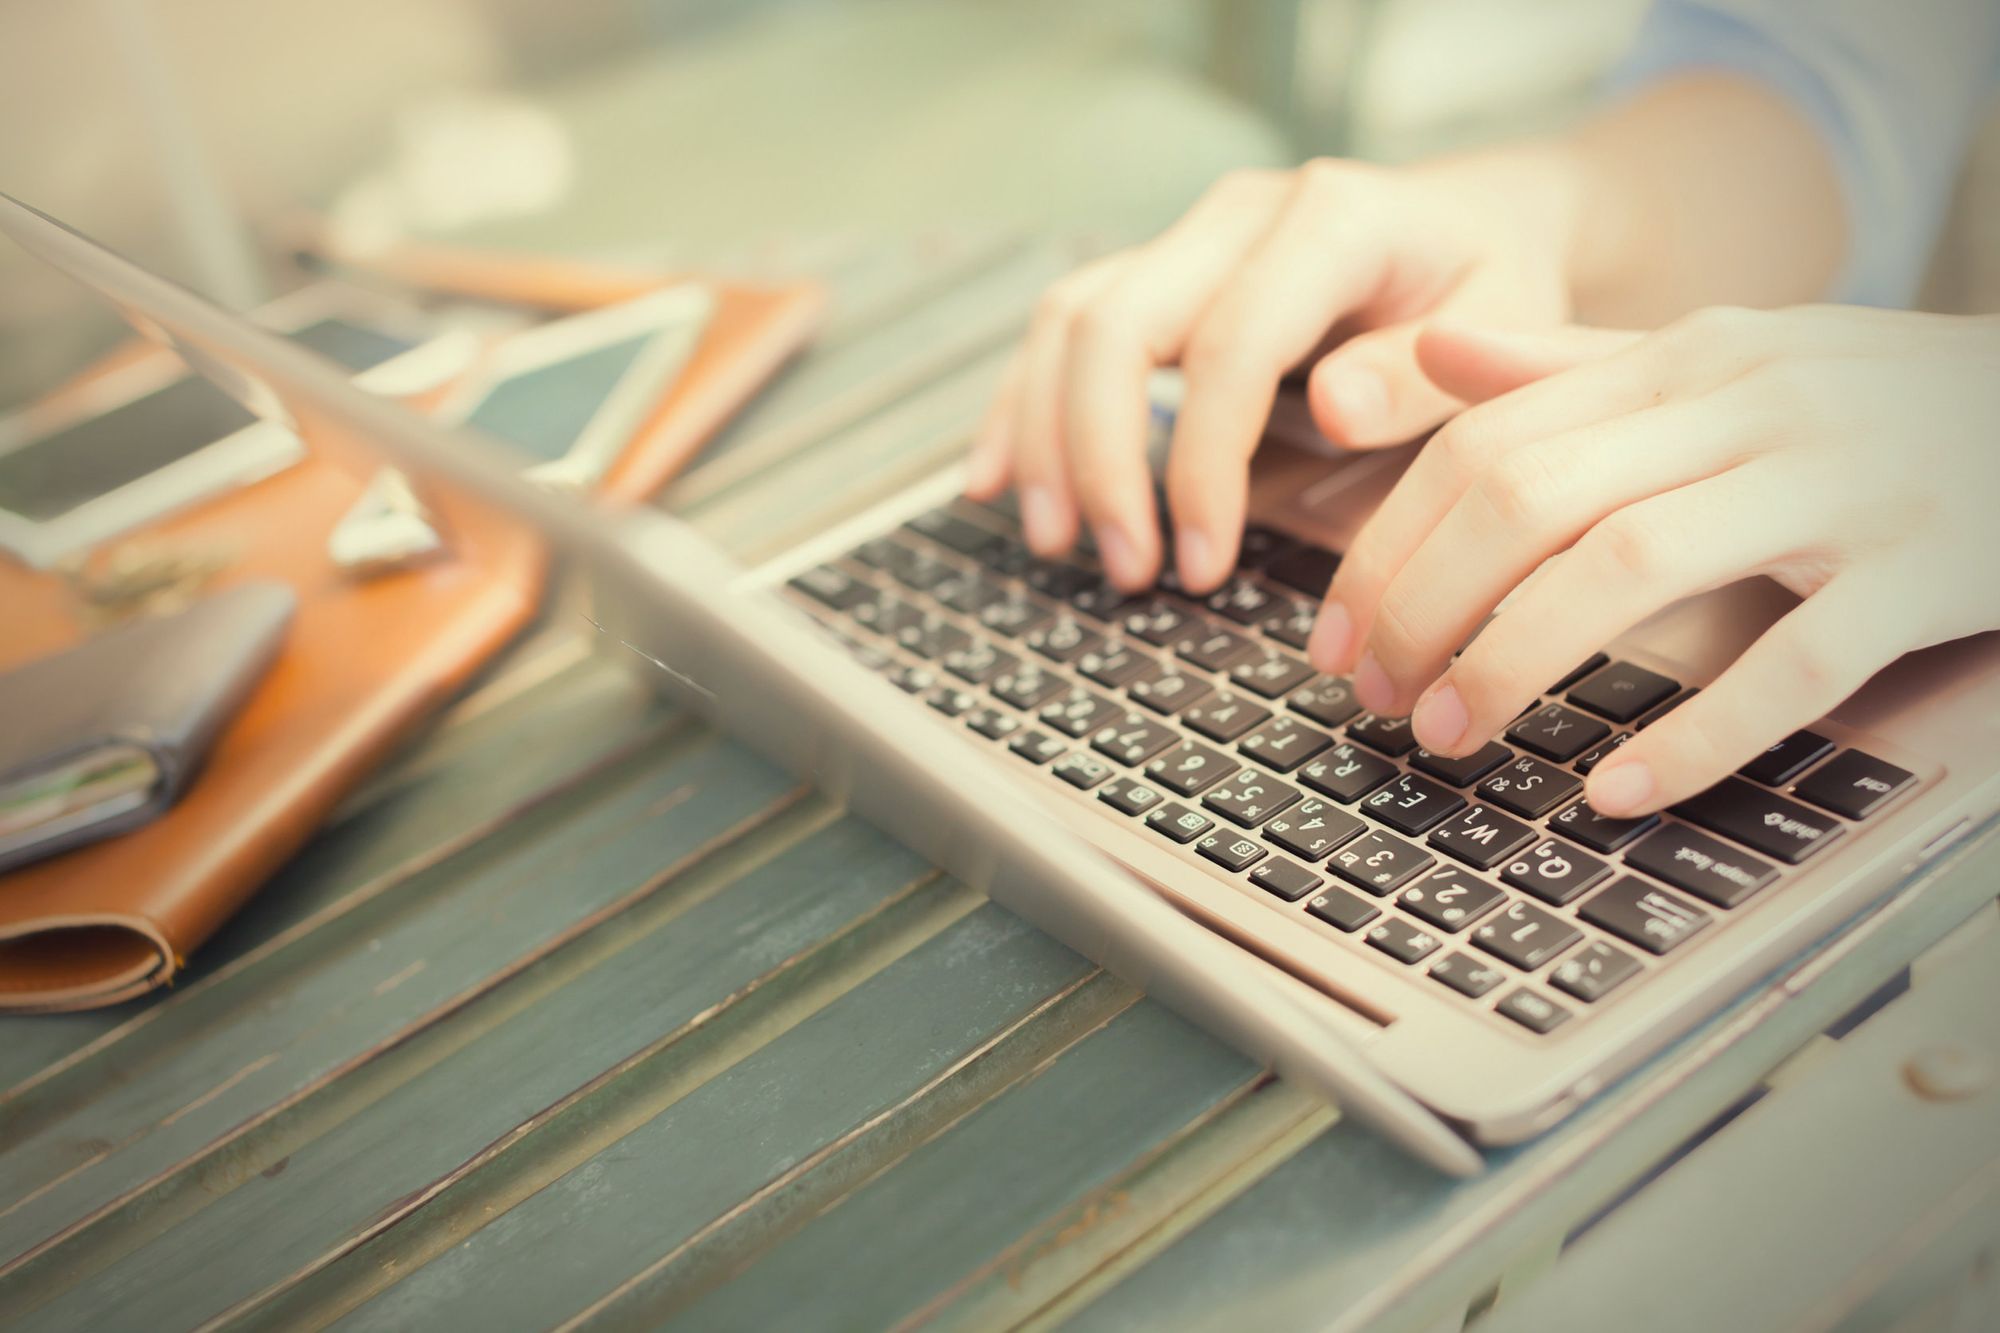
column 1199, row 720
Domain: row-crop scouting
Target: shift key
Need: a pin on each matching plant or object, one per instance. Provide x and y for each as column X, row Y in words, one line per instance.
column 1761, row 820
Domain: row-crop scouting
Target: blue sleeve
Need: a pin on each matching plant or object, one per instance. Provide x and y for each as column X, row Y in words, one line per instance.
column 1897, row 87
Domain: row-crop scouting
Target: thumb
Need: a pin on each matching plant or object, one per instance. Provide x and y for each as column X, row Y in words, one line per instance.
column 1476, row 364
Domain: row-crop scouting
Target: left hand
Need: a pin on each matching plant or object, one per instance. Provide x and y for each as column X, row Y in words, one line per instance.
column 1852, row 455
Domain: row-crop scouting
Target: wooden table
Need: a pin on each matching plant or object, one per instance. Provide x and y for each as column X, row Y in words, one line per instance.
column 582, row 1013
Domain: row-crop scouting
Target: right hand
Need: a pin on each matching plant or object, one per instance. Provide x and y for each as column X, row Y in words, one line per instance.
column 1266, row 270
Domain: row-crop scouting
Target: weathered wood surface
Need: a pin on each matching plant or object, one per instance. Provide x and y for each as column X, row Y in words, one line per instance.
column 581, row 1014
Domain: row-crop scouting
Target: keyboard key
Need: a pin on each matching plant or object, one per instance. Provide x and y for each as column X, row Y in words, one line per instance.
column 1007, row 557
column 833, row 588
column 1529, row 787
column 951, row 701
column 1327, row 700
column 1165, row 688
column 1594, row 971
column 1081, row 770
column 913, row 679
column 1102, row 602
column 1260, row 546
column 1788, row 758
column 1129, row 797
column 1345, row 773
column 1450, row 899
column 1243, row 599
column 1013, row 617
column 977, row 663
column 969, row 593
column 1306, row 568
column 1027, row 687
column 1467, row 975
column 1079, row 713
column 1380, row 863
column 876, row 553
column 1284, row 743
column 1402, row 941
column 1157, row 621
column 1525, row 936
column 1056, row 578
column 1600, row 833
column 1064, row 639
column 1249, row 798
column 1854, row 784
column 1037, row 747
column 1636, row 912
column 933, row 637
column 1599, row 752
column 1224, row 716
column 1133, row 739
column 1555, row 872
column 992, row 723
column 1709, row 868
column 1466, row 771
column 1389, row 735
column 1413, row 804
column 1622, row 691
column 1271, row 672
column 1343, row 910
column 1289, row 620
column 1557, row 733
column 1230, row 851
column 1113, row 665
column 1595, row 661
column 948, row 529
column 1285, row 879
column 1532, row 1011
column 1179, row 823
column 1482, row 837
column 1312, row 828
column 1189, row 767
column 1210, row 648
column 886, row 614
column 1761, row 820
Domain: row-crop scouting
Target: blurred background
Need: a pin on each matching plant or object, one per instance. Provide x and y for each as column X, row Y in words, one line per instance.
column 192, row 134
column 201, row 135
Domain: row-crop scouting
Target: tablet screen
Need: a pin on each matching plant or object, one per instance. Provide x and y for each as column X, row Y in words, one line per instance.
column 541, row 412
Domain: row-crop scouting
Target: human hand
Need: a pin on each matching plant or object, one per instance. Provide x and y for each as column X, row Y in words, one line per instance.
column 1849, row 454
column 1267, row 269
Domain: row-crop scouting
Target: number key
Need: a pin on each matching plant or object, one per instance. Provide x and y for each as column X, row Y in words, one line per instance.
column 1380, row 863
column 1189, row 767
column 1312, row 828
column 1450, row 899
column 1249, row 798
column 1525, row 936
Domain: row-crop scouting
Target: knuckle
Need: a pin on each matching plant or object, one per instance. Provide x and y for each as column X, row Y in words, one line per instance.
column 1397, row 636
column 1631, row 545
column 1463, row 447
column 1216, row 351
column 1722, row 328
column 1816, row 666
column 1521, row 489
column 1104, row 324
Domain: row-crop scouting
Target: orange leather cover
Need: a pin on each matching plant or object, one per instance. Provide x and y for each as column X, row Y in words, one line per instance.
column 363, row 663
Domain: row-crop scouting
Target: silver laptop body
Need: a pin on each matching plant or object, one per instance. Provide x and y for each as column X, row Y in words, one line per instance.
column 743, row 648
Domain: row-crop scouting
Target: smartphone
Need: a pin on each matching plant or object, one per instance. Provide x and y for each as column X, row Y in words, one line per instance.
column 151, row 439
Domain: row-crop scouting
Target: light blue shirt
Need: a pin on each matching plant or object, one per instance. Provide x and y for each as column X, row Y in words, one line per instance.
column 1896, row 86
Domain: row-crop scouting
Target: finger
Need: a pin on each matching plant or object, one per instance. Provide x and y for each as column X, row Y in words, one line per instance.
column 1048, row 508
column 1530, row 504
column 990, row 463
column 1134, row 324
column 1475, row 364
column 1371, row 391
column 1801, row 669
column 1649, row 372
column 1628, row 566
column 1314, row 264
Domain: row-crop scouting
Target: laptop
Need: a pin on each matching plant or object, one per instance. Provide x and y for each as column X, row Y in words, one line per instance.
column 1459, row 952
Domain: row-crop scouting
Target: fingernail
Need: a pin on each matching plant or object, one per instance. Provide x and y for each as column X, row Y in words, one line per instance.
column 1332, row 636
column 1039, row 518
column 1197, row 558
column 1620, row 789
column 1371, row 685
column 1360, row 401
column 1120, row 555
column 1440, row 720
